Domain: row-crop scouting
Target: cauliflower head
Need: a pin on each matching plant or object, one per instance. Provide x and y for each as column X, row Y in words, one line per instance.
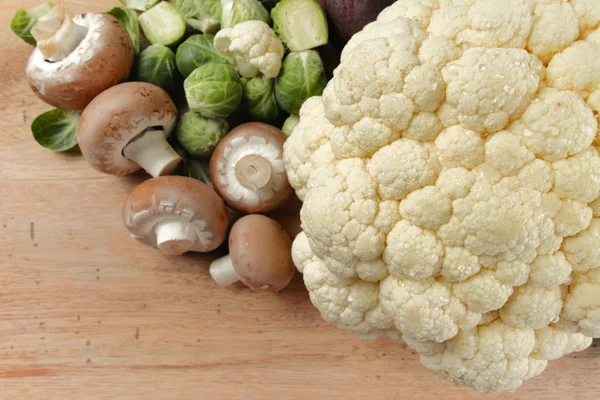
column 252, row 47
column 450, row 175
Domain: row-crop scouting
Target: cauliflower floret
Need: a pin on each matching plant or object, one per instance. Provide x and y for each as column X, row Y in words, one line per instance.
column 253, row 47
column 506, row 154
column 588, row 13
column 418, row 162
column 578, row 177
column 582, row 305
column 425, row 309
column 484, row 23
column 488, row 357
column 552, row 344
column 576, row 68
column 459, row 147
column 308, row 146
column 510, row 78
column 555, row 27
column 452, row 182
column 532, row 306
column 412, row 252
column 423, row 127
column 558, row 125
column 551, row 270
column 347, row 303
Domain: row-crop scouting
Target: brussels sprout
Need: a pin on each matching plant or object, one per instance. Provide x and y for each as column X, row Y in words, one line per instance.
column 129, row 19
column 24, row 20
column 199, row 135
column 199, row 170
column 236, row 11
column 163, row 24
column 301, row 24
column 302, row 76
column 156, row 65
column 259, row 99
column 213, row 90
column 197, row 50
column 203, row 15
column 140, row 5
column 56, row 129
column 289, row 124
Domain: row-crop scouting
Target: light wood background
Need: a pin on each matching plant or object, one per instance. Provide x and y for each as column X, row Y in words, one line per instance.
column 87, row 313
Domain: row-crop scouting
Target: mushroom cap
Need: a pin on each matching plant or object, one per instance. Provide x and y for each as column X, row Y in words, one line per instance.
column 118, row 115
column 102, row 59
column 261, row 253
column 252, row 138
column 176, row 198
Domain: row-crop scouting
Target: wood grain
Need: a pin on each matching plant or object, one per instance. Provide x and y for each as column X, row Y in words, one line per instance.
column 87, row 313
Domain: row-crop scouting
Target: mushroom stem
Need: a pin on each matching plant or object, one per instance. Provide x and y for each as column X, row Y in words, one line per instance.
column 173, row 238
column 222, row 271
column 152, row 152
column 253, row 172
column 57, row 35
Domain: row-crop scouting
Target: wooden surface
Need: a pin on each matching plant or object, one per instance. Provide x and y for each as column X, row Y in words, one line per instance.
column 87, row 313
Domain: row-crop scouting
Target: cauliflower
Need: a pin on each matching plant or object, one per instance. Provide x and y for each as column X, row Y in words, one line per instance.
column 252, row 47
column 450, row 174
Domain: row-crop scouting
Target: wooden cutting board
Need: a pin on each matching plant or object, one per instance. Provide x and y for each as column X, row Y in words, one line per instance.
column 87, row 313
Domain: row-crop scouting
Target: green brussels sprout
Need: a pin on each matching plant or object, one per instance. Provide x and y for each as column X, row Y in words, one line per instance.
column 203, row 15
column 301, row 24
column 259, row 99
column 163, row 24
column 56, row 129
column 24, row 20
column 197, row 50
column 140, row 5
column 129, row 19
column 198, row 135
column 302, row 76
column 290, row 123
column 156, row 65
column 234, row 12
column 213, row 90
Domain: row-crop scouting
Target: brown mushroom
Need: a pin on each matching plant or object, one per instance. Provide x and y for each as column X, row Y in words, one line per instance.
column 126, row 127
column 176, row 214
column 78, row 58
column 247, row 168
column 259, row 255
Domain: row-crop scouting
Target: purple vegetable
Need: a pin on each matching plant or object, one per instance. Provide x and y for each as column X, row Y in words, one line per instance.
column 347, row 17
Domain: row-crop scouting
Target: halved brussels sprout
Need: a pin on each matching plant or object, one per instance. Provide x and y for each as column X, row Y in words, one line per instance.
column 203, row 15
column 234, row 12
column 140, row 5
column 163, row 24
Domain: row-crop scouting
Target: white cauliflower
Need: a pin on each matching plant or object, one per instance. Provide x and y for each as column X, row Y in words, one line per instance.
column 450, row 175
column 252, row 47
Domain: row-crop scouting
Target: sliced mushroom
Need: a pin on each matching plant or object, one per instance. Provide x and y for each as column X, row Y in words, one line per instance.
column 126, row 127
column 259, row 255
column 78, row 58
column 176, row 214
column 247, row 168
